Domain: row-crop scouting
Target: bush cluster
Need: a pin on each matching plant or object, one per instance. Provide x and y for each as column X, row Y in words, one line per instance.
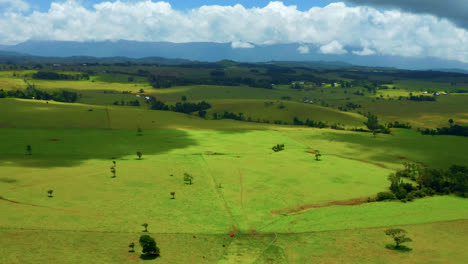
column 60, row 96
column 429, row 182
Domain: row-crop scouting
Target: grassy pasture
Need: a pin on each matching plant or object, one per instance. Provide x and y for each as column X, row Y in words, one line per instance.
column 85, row 155
column 93, row 217
column 258, row 109
column 419, row 114
column 422, row 114
column 388, row 150
column 119, row 78
column 89, row 85
column 432, row 243
column 419, row 85
column 80, row 159
column 343, row 246
column 23, row 113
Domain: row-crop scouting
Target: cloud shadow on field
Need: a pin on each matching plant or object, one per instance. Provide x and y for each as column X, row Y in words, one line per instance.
column 71, row 147
column 409, row 146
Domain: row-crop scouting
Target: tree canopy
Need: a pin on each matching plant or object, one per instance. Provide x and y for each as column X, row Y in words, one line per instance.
column 148, row 245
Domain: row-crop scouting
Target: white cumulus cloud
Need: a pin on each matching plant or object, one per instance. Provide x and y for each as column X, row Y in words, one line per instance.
column 332, row 28
column 303, row 49
column 241, row 45
column 333, row 47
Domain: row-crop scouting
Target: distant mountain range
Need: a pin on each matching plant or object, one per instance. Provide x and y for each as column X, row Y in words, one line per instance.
column 211, row 52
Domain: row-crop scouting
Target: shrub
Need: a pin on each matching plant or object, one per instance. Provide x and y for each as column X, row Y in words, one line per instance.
column 278, row 147
column 410, row 197
column 408, row 187
column 400, row 193
column 417, row 194
column 428, row 191
column 148, row 245
column 382, row 196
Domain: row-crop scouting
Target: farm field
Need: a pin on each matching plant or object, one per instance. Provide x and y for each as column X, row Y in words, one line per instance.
column 247, row 203
column 89, row 205
column 105, row 89
column 285, row 111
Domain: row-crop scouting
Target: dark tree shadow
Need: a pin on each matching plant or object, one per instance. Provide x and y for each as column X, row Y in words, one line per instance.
column 401, row 248
column 7, row 180
column 149, row 256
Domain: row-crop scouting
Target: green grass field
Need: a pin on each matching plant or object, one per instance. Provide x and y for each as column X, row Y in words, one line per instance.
column 283, row 206
column 270, row 110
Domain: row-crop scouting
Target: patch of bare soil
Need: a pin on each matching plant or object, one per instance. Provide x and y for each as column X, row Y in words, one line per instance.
column 209, row 153
column 418, row 162
column 11, row 201
column 350, row 202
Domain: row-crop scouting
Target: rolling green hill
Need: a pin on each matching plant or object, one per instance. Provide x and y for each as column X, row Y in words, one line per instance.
column 247, row 203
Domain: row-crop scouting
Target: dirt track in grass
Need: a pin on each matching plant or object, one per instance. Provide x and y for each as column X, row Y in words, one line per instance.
column 350, row 202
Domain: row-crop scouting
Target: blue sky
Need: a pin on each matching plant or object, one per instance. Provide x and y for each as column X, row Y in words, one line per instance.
column 43, row 5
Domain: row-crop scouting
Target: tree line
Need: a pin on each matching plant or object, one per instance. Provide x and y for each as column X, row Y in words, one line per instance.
column 308, row 122
column 50, row 75
column 454, row 130
column 184, row 107
column 453, row 180
column 60, row 96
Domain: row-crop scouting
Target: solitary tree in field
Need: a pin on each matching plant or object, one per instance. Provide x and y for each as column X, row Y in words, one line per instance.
column 188, row 178
column 113, row 171
column 149, row 245
column 398, row 235
column 139, row 131
column 139, row 155
column 113, row 162
column 145, row 225
column 50, row 192
column 278, row 147
column 317, row 155
column 173, row 195
column 184, row 98
column 29, row 149
column 450, row 121
column 132, row 247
